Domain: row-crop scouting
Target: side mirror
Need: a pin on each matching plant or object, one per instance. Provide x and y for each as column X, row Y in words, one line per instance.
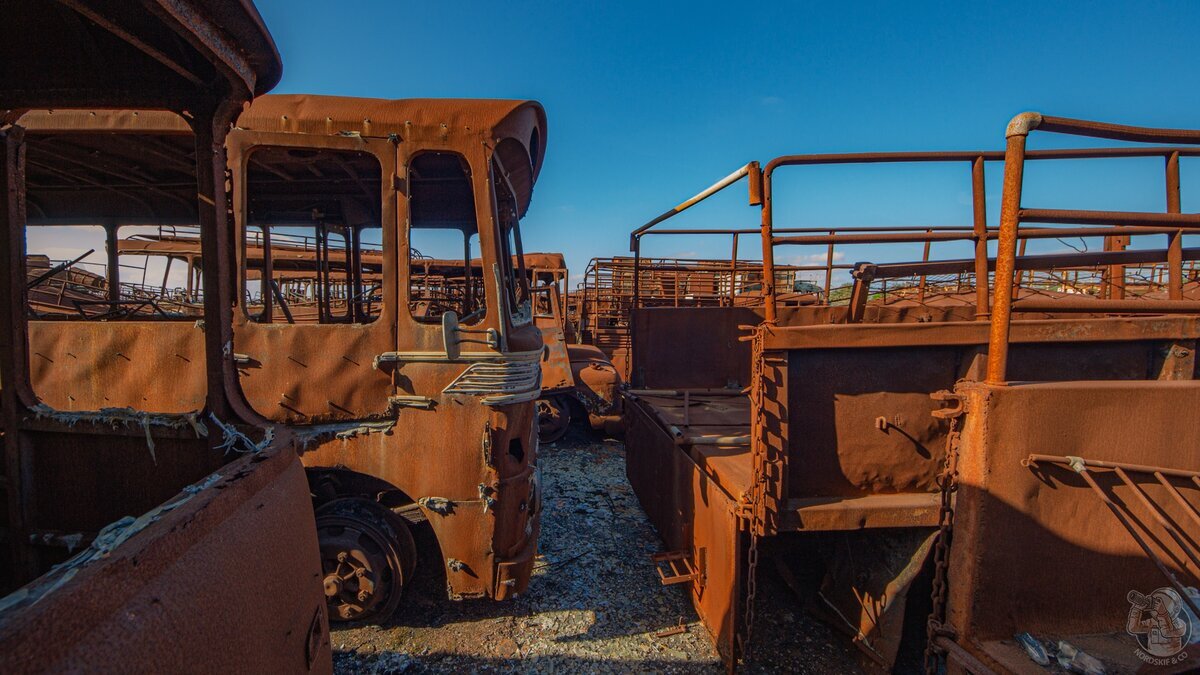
column 450, row 339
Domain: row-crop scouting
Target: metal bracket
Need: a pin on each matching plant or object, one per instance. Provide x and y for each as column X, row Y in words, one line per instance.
column 397, row 402
column 491, row 337
column 948, row 413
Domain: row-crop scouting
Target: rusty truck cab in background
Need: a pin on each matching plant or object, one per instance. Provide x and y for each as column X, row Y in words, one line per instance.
column 126, row 442
column 579, row 382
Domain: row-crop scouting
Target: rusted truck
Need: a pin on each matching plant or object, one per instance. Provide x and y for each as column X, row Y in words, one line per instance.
column 604, row 299
column 144, row 501
column 928, row 437
column 412, row 399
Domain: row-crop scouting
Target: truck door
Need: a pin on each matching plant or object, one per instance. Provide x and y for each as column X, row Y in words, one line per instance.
column 315, row 221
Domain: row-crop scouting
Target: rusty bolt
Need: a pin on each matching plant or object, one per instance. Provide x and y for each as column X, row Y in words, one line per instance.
column 333, row 586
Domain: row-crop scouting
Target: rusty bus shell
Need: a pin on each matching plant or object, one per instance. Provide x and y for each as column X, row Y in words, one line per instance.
column 842, row 441
column 175, row 516
column 479, row 379
column 578, row 381
column 404, row 414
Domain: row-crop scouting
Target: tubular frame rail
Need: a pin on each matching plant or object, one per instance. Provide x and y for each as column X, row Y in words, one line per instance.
column 1013, row 213
column 980, row 233
column 1122, row 470
column 1115, row 227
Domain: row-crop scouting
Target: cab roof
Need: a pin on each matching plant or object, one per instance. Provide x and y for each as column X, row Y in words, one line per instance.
column 516, row 129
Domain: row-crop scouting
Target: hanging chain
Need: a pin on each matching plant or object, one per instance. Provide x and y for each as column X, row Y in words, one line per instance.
column 757, row 521
column 948, row 482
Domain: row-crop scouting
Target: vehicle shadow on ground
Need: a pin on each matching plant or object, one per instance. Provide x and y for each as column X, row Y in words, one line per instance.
column 594, row 561
column 594, row 603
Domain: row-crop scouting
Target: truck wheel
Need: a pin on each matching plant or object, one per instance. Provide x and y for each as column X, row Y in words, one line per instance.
column 554, row 418
column 367, row 556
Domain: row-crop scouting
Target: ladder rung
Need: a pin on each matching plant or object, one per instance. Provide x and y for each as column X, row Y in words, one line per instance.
column 674, row 567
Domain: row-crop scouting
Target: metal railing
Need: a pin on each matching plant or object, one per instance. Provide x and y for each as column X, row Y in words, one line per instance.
column 1012, row 213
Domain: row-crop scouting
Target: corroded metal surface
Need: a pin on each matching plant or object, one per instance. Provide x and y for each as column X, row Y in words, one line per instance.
column 847, row 427
column 233, row 535
column 225, row 526
column 382, row 405
column 368, row 382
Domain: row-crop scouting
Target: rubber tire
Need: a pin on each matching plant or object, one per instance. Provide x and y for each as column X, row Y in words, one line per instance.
column 562, row 408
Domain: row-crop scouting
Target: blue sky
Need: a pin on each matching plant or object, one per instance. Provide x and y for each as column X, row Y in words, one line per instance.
column 650, row 102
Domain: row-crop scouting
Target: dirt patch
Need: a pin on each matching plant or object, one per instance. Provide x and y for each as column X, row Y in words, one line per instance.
column 594, row 604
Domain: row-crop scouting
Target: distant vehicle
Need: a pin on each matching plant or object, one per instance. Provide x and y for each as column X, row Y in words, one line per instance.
column 578, row 381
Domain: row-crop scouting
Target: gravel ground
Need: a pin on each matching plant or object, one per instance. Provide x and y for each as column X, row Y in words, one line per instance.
column 594, row 603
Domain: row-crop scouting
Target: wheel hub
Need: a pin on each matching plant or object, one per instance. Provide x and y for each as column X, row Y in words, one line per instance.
column 363, row 563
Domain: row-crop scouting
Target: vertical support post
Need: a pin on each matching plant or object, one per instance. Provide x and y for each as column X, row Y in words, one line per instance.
column 166, row 274
column 593, row 300
column 321, row 248
column 469, row 293
column 1112, row 286
column 219, row 278
column 354, row 291
column 733, row 270
column 979, row 211
column 1175, row 246
column 267, row 280
column 768, row 248
column 829, row 267
column 633, row 307
column 1006, row 254
column 921, row 285
column 190, row 260
column 113, row 272
column 1023, row 244
column 14, row 364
